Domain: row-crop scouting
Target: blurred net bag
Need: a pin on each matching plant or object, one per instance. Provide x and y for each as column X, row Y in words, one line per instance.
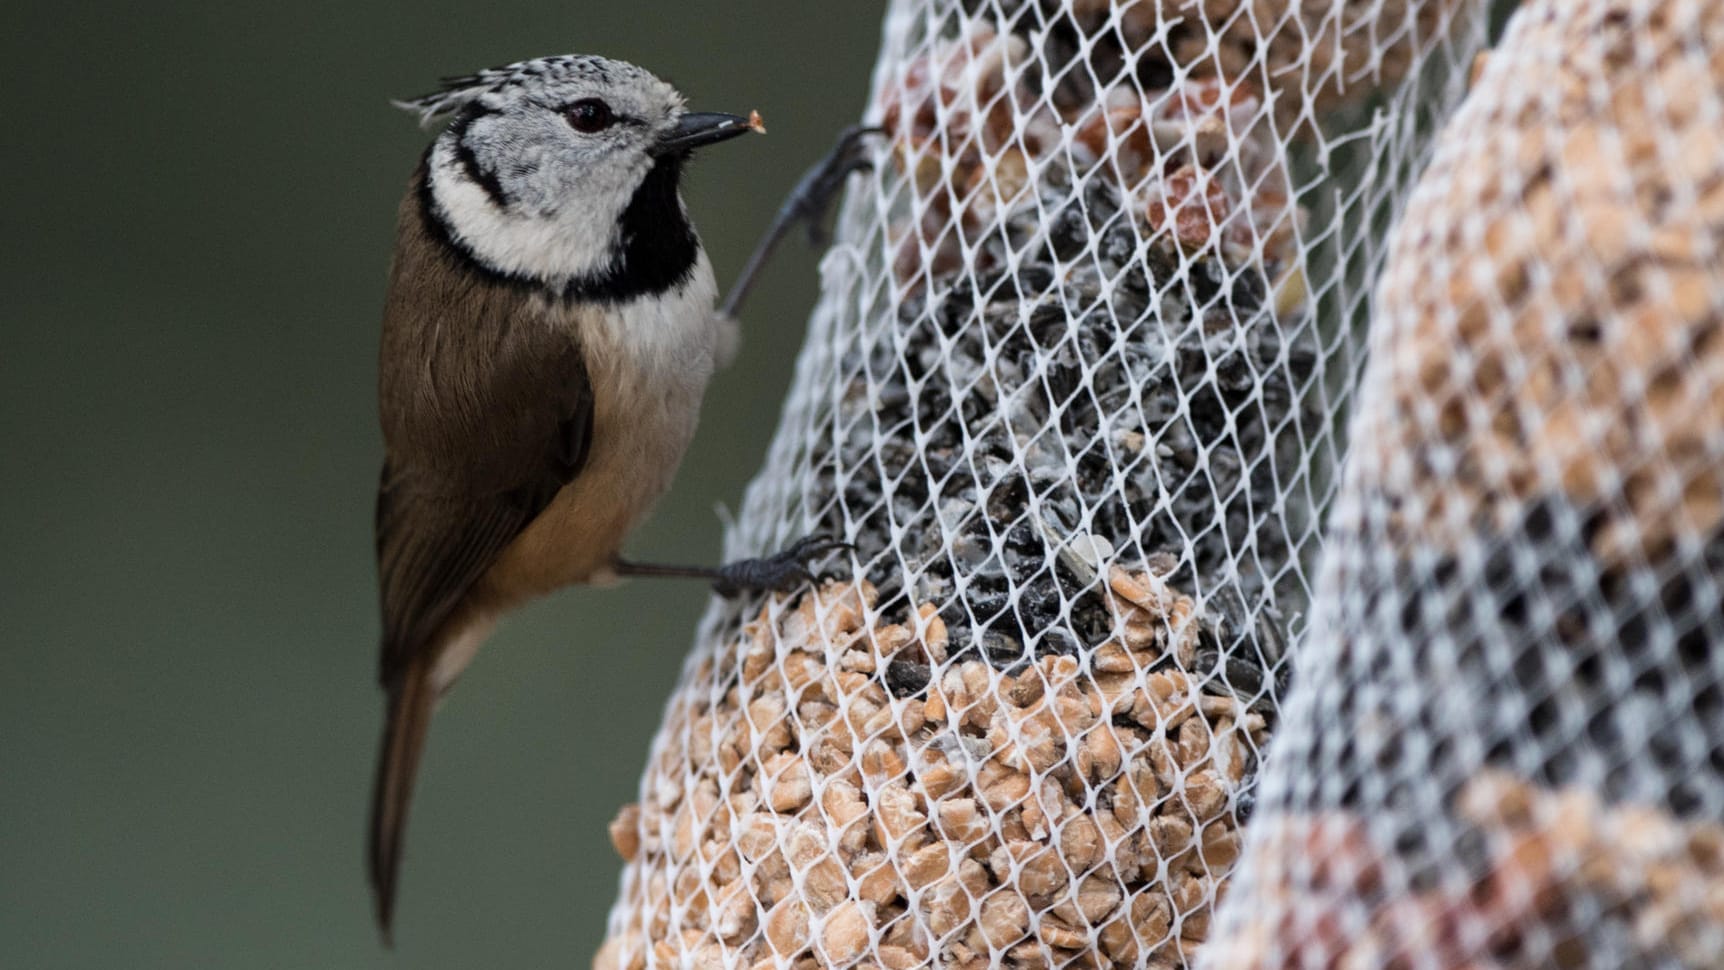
column 1506, row 746
column 1075, row 389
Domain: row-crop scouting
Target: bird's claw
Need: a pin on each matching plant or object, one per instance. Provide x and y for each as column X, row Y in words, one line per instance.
column 813, row 195
column 779, row 573
column 808, row 203
column 819, row 186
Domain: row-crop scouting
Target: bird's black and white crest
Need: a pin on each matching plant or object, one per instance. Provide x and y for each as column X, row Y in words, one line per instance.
column 492, row 85
column 551, row 172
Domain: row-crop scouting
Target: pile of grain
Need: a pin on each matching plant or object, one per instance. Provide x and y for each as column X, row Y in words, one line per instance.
column 847, row 793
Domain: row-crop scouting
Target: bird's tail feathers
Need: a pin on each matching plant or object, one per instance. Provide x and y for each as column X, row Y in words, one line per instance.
column 411, row 700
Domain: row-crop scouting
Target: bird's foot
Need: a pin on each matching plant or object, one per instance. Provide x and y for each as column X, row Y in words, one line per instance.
column 808, row 203
column 779, row 573
column 818, row 188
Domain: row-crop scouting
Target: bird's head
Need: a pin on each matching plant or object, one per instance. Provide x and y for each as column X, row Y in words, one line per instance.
column 551, row 170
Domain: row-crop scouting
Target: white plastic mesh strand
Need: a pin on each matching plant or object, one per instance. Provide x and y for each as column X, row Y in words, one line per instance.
column 1506, row 743
column 1075, row 389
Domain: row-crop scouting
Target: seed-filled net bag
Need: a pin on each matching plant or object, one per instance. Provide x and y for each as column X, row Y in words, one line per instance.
column 1506, row 743
column 1076, row 390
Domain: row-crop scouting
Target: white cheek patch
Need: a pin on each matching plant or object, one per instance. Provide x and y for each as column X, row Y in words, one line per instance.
column 575, row 241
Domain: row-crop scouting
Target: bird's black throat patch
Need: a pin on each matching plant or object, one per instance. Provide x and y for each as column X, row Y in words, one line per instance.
column 658, row 246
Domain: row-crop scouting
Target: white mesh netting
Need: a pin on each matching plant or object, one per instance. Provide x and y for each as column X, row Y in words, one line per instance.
column 1506, row 747
column 1077, row 390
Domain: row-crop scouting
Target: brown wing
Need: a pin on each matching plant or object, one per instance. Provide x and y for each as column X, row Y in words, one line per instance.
column 435, row 537
column 434, row 542
column 487, row 412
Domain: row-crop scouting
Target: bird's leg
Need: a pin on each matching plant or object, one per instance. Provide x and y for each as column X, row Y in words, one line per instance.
column 778, row 573
column 808, row 202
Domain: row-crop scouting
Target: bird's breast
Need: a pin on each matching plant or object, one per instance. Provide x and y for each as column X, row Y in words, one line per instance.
column 664, row 337
column 649, row 362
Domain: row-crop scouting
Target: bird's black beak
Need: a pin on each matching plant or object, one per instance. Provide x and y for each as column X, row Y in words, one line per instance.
column 699, row 128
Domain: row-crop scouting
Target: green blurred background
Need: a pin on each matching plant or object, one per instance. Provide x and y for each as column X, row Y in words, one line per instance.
column 198, row 206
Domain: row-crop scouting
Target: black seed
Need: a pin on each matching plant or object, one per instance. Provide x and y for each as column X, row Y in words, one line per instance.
column 906, row 678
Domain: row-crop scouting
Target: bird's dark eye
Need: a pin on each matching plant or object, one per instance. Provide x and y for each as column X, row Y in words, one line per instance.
column 590, row 115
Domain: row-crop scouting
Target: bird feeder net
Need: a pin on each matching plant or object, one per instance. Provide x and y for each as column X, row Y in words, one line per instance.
column 1505, row 746
column 1089, row 361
